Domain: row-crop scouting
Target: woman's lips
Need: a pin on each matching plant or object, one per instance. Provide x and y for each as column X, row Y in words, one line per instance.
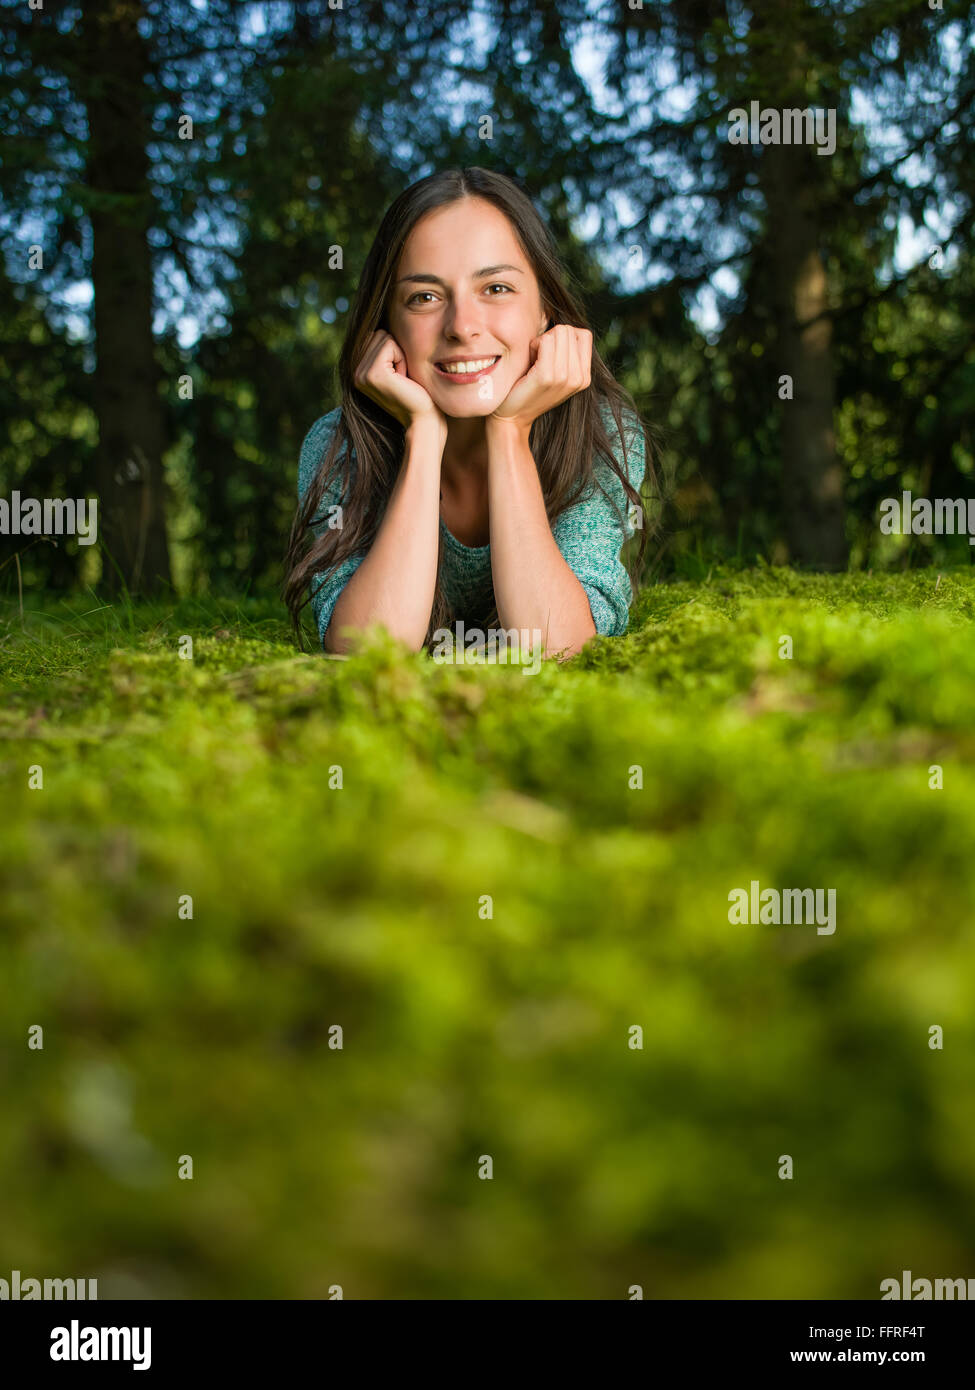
column 465, row 378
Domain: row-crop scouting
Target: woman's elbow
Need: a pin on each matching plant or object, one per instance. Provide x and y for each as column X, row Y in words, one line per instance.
column 342, row 642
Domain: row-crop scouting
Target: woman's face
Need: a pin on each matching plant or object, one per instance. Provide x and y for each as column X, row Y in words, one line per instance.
column 464, row 292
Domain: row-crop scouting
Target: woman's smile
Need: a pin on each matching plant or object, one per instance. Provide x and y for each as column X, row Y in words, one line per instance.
column 461, row 371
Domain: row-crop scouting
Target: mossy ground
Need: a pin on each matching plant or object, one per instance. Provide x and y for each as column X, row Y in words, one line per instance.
column 507, row 1035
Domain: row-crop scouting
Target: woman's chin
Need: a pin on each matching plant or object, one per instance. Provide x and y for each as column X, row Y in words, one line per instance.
column 476, row 412
column 473, row 409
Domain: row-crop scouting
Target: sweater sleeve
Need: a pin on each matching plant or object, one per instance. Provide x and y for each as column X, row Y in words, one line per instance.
column 590, row 534
column 326, row 585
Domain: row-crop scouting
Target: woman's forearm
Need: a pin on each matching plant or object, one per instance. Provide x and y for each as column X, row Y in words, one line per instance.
column 533, row 585
column 395, row 583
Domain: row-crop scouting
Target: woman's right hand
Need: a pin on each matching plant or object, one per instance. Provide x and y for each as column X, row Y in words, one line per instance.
column 381, row 375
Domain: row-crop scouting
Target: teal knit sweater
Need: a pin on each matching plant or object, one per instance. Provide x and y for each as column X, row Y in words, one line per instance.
column 589, row 535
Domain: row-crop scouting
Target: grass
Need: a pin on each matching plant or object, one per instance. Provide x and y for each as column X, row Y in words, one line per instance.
column 235, row 856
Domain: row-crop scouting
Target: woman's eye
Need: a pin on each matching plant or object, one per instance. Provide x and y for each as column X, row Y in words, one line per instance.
column 420, row 293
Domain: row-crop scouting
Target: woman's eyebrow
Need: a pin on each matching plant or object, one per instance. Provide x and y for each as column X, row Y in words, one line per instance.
column 422, row 277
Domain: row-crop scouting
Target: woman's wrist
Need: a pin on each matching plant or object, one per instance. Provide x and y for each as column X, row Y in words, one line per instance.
column 427, row 430
column 500, row 429
column 507, row 438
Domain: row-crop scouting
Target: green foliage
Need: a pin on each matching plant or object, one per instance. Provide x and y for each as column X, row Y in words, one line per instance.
column 466, row 1035
column 305, row 132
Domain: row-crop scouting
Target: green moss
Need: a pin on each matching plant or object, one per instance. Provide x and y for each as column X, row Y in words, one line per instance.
column 507, row 1035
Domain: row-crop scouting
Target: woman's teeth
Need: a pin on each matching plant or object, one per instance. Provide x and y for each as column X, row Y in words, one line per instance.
column 465, row 368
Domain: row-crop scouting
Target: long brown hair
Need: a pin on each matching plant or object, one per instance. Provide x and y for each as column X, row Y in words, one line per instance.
column 564, row 441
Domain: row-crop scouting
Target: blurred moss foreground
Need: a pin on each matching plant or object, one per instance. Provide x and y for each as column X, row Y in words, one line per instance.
column 488, row 910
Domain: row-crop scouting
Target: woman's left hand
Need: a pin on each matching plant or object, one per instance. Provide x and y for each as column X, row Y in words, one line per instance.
column 560, row 365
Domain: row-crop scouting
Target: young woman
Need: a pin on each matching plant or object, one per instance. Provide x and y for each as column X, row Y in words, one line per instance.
column 477, row 469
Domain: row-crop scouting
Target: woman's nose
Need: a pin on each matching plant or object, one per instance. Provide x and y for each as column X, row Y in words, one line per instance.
column 463, row 318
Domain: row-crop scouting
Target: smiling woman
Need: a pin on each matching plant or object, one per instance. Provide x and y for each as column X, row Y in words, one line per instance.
column 480, row 466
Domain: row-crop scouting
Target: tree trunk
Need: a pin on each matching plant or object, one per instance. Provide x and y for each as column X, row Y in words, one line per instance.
column 812, row 478
column 129, row 475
